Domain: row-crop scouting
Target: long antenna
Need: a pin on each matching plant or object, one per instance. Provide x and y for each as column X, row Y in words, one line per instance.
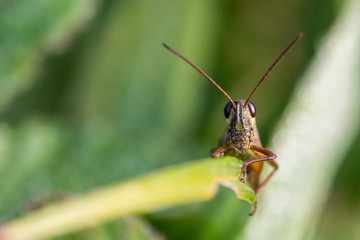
column 273, row 65
column 202, row 73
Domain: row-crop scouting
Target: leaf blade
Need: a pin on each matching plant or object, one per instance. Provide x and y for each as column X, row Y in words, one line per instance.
column 181, row 184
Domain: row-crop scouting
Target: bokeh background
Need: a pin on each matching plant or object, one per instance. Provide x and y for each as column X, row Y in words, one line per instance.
column 89, row 97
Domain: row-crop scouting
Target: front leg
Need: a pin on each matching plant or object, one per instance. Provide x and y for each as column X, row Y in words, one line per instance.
column 270, row 157
column 218, row 152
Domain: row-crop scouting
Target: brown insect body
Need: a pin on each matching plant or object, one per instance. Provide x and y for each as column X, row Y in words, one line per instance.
column 241, row 134
column 241, row 140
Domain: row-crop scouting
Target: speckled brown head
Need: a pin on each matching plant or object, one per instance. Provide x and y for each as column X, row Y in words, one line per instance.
column 240, row 124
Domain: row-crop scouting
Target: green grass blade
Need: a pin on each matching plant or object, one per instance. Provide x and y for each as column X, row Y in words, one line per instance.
column 186, row 183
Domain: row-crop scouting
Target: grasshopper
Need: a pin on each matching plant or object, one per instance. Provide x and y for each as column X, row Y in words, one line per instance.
column 241, row 138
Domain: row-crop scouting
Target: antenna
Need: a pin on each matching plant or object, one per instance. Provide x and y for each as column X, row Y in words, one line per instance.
column 273, row 65
column 202, row 73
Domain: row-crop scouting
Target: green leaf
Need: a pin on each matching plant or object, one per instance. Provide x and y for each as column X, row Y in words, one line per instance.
column 187, row 183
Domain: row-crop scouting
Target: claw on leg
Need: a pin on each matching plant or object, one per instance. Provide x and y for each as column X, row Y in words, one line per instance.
column 215, row 155
column 219, row 152
column 243, row 173
column 242, row 179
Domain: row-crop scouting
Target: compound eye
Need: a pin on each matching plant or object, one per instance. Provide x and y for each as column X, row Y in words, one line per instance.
column 252, row 109
column 227, row 109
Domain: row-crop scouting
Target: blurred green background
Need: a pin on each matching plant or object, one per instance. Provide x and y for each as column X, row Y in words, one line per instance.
column 89, row 97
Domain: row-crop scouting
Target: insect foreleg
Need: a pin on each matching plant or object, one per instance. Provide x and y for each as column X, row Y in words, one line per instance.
column 270, row 157
column 218, row 152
